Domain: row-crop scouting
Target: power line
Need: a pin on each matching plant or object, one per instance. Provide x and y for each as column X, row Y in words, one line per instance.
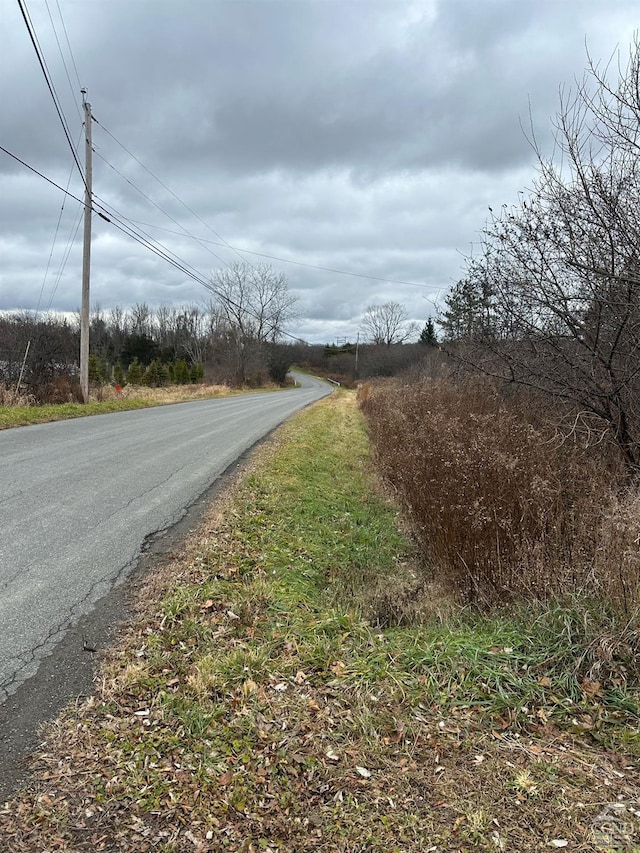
column 169, row 190
column 109, row 215
column 156, row 205
column 119, row 221
column 48, row 80
column 145, row 240
column 64, row 64
column 237, row 249
column 297, row 263
column 53, row 244
column 65, row 257
column 39, row 174
column 248, row 251
column 66, row 35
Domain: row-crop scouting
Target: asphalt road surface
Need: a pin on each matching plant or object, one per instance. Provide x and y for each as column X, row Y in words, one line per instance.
column 79, row 501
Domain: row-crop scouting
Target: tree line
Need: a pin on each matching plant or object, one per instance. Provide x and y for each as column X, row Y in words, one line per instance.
column 233, row 338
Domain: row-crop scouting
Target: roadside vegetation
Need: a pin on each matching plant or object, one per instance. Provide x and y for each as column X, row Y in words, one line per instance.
column 300, row 679
column 502, row 502
column 20, row 410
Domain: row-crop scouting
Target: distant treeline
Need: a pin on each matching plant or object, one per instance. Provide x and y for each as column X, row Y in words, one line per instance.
column 173, row 345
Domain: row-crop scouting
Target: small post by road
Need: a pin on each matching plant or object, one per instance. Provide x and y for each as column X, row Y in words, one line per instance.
column 86, row 254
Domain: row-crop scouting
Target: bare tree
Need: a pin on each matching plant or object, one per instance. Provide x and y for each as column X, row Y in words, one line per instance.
column 255, row 304
column 388, row 324
column 192, row 332
column 564, row 266
column 141, row 319
column 47, row 347
column 255, row 300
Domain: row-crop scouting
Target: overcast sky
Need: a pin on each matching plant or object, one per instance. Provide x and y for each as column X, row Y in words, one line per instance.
column 368, row 136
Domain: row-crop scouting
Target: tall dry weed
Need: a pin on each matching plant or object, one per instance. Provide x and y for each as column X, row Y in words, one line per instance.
column 10, row 397
column 617, row 559
column 502, row 511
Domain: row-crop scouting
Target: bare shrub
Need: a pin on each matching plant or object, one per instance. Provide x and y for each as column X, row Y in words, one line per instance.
column 502, row 511
column 61, row 389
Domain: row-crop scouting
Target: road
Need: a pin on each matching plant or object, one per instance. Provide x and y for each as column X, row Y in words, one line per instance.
column 80, row 499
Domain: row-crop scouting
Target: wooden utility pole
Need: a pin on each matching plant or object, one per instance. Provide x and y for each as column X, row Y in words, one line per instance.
column 86, row 253
column 357, row 348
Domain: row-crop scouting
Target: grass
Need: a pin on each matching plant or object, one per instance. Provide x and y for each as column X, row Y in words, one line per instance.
column 106, row 401
column 269, row 697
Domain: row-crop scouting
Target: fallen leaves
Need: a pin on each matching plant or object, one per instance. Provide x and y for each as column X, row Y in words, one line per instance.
column 362, row 771
column 226, row 778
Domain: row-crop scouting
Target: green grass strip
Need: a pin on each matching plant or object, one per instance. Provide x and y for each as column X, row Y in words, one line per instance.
column 14, row 416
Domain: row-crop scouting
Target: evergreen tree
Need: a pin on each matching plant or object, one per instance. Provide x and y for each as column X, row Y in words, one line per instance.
column 98, row 370
column 118, row 374
column 196, row 373
column 152, row 376
column 468, row 315
column 428, row 335
column 134, row 374
column 180, row 372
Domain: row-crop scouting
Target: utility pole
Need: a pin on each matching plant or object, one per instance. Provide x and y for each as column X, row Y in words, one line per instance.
column 86, row 253
column 357, row 348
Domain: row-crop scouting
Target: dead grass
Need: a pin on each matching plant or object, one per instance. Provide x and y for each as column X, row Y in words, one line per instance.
column 22, row 410
column 503, row 512
column 10, row 397
column 158, row 396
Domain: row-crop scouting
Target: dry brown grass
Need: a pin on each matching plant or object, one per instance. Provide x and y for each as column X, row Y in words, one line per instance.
column 502, row 510
column 168, row 394
column 10, row 397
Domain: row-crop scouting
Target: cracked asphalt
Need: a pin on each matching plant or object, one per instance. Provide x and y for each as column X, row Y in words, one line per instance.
column 80, row 503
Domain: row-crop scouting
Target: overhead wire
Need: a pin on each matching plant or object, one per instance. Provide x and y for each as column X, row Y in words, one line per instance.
column 238, row 250
column 242, row 251
column 64, row 64
column 113, row 215
column 166, row 254
column 65, row 256
column 147, row 240
column 126, row 226
column 109, row 214
column 50, row 85
column 161, row 209
column 66, row 35
column 169, row 190
column 298, row 263
column 53, row 243
column 39, row 174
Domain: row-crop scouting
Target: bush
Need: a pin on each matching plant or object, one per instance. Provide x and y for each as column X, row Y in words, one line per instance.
column 118, row 375
column 135, row 373
column 502, row 511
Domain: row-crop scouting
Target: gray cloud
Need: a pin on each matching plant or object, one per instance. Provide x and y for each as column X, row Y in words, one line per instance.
column 362, row 136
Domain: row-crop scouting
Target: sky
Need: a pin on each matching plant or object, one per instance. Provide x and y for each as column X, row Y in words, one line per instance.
column 362, row 136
